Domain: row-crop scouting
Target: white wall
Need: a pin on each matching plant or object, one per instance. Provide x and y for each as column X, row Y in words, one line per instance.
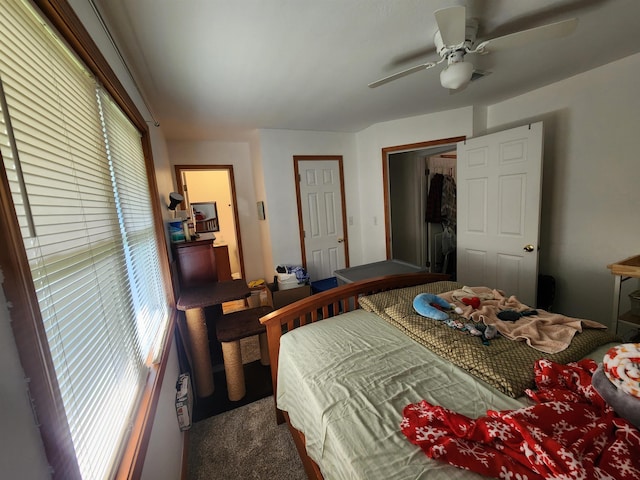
column 364, row 197
column 214, row 186
column 264, row 171
column 277, row 148
column 164, row 453
column 591, row 195
column 237, row 154
column 21, row 450
column 261, row 196
column 407, row 182
column 423, row 128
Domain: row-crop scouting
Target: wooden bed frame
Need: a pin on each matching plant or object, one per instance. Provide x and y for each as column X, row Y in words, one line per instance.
column 324, row 305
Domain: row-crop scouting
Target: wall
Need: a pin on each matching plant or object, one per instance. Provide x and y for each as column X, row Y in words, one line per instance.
column 214, row 186
column 164, row 453
column 591, row 200
column 261, row 195
column 21, row 450
column 277, row 148
column 237, row 154
column 370, row 142
column 364, row 198
column 407, row 182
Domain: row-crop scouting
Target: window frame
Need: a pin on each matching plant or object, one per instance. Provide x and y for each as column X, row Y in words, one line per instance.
column 20, row 293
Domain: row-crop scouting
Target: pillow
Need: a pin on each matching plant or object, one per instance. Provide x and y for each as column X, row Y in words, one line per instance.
column 422, row 304
column 625, row 405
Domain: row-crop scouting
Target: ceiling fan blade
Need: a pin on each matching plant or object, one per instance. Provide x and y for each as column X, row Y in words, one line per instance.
column 518, row 39
column 452, row 23
column 403, row 73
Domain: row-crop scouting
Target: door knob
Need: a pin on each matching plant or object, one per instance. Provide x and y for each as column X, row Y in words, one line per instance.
column 340, row 240
column 528, row 248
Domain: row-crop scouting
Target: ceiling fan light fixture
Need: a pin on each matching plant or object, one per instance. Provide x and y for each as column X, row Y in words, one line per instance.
column 456, row 75
column 456, row 37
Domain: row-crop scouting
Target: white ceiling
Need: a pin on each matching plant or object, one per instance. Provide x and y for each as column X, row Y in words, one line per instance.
column 210, row 67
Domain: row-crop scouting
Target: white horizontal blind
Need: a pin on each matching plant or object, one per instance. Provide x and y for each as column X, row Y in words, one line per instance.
column 93, row 257
column 131, row 187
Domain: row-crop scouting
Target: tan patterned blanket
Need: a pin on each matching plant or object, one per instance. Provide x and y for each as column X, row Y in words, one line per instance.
column 505, row 364
column 545, row 331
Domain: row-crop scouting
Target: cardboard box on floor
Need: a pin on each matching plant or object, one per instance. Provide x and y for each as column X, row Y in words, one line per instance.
column 280, row 298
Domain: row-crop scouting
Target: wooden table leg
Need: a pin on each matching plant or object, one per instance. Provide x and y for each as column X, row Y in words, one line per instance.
column 199, row 339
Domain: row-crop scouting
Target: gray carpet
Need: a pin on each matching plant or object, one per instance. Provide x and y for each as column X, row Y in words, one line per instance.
column 244, row 443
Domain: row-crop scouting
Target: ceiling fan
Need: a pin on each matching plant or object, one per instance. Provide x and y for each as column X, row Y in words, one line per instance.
column 456, row 37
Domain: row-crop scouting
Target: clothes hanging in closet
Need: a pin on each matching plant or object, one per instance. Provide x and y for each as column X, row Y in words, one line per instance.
column 448, row 209
column 434, row 199
column 441, row 200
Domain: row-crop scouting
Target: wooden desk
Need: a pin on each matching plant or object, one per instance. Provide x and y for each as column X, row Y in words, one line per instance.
column 192, row 301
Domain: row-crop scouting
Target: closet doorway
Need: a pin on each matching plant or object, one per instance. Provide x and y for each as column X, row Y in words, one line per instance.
column 215, row 183
column 416, row 231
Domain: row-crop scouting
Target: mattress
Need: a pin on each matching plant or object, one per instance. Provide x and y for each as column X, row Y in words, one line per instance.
column 344, row 382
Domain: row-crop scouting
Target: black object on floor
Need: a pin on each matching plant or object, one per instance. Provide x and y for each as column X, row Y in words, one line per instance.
column 546, row 292
column 257, row 379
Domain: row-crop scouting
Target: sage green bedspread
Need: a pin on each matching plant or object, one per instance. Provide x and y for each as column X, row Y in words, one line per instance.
column 344, row 382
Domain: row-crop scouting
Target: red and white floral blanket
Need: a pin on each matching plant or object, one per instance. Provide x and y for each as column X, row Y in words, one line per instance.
column 570, row 433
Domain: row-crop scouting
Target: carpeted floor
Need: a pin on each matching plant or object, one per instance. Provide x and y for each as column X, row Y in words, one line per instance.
column 258, row 385
column 244, row 443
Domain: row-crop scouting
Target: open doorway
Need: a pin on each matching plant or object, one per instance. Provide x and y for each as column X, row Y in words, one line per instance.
column 413, row 234
column 211, row 188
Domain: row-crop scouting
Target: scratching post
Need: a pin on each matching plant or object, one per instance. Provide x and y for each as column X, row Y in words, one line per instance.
column 197, row 328
column 230, row 329
column 233, row 369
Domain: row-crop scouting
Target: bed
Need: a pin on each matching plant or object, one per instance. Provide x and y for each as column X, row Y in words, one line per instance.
column 341, row 383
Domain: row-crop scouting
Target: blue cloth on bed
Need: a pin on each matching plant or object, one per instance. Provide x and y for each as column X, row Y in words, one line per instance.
column 422, row 304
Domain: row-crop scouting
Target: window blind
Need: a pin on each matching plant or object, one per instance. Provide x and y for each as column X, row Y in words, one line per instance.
column 130, row 186
column 79, row 185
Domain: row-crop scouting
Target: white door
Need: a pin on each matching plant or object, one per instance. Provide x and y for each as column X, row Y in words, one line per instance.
column 499, row 190
column 322, row 217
